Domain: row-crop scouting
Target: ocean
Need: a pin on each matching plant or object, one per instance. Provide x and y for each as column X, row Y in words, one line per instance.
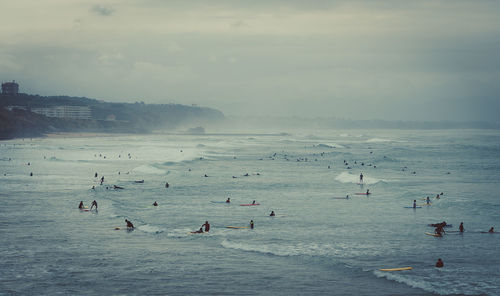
column 319, row 243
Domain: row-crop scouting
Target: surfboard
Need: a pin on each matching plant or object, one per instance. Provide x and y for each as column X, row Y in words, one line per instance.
column 363, row 193
column 433, row 234
column 413, row 207
column 85, row 210
column 123, row 228
column 237, row 227
column 424, row 205
column 396, row 269
column 255, row 204
column 213, row 201
column 339, row 198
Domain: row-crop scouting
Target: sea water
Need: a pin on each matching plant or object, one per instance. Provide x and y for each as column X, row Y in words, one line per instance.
column 318, row 244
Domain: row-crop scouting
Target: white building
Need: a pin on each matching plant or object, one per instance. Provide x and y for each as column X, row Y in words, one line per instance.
column 73, row 112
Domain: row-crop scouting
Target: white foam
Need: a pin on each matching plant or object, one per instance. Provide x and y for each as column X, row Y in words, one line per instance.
column 150, row 229
column 346, row 177
column 377, row 140
column 149, row 169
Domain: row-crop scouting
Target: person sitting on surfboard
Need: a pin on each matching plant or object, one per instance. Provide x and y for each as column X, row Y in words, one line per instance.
column 94, row 203
column 228, row 200
column 80, row 206
column 461, row 227
column 492, row 230
column 251, row 224
column 439, row 263
column 129, row 224
column 155, row 204
column 207, row 226
column 272, row 214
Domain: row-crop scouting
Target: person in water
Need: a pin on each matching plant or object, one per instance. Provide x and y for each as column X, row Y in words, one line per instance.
column 80, row 206
column 251, row 224
column 347, row 196
column 272, row 214
column 95, row 175
column 228, row 200
column 439, row 263
column 102, row 180
column 167, row 185
column 367, row 191
column 361, row 178
column 155, row 204
column 492, row 230
column 437, row 196
column 414, row 203
column 207, row 226
column 253, row 202
column 129, row 224
column 428, row 200
column 461, row 227
column 94, row 203
column 117, row 187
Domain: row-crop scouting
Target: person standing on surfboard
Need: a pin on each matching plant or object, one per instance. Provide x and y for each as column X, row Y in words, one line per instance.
column 414, row 203
column 272, row 214
column 129, row 224
column 94, row 203
column 361, row 178
column 80, row 206
column 461, row 227
column 367, row 191
column 251, row 224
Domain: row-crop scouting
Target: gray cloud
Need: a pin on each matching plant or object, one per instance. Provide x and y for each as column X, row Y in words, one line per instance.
column 102, row 10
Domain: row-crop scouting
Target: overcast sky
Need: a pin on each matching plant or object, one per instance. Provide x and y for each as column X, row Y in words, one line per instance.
column 415, row 60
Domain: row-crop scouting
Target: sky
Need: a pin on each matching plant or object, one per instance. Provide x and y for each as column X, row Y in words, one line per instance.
column 357, row 59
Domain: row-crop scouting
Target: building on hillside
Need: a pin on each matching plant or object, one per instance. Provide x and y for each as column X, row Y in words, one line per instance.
column 72, row 112
column 10, row 88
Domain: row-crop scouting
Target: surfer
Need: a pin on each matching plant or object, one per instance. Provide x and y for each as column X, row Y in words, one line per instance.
column 155, row 204
column 80, row 206
column 461, row 227
column 437, row 196
column 228, row 200
column 414, row 204
column 95, row 175
column 206, row 175
column 129, row 224
column 492, row 230
column 93, row 187
column 272, row 214
column 31, row 174
column 347, row 196
column 167, row 185
column 439, row 263
column 367, row 191
column 428, row 200
column 94, row 203
column 207, row 226
column 251, row 224
column 361, row 178
column 253, row 202
column 102, row 179
column 117, row 187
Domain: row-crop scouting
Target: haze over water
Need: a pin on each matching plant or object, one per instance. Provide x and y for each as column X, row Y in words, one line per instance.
column 317, row 245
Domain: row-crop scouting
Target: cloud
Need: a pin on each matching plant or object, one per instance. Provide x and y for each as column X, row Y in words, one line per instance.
column 102, row 10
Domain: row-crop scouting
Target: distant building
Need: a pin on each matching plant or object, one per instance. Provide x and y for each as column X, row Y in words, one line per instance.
column 73, row 112
column 10, row 88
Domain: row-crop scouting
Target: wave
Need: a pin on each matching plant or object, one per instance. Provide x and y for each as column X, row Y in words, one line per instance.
column 346, row 177
column 321, row 145
column 150, row 229
column 377, row 140
column 149, row 169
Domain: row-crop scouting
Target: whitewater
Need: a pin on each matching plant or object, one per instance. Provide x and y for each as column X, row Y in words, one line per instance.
column 320, row 243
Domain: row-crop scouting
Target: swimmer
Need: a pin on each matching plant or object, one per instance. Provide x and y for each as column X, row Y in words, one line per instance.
column 439, row 263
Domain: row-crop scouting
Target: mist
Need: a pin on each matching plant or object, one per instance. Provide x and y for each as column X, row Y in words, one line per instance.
column 365, row 60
